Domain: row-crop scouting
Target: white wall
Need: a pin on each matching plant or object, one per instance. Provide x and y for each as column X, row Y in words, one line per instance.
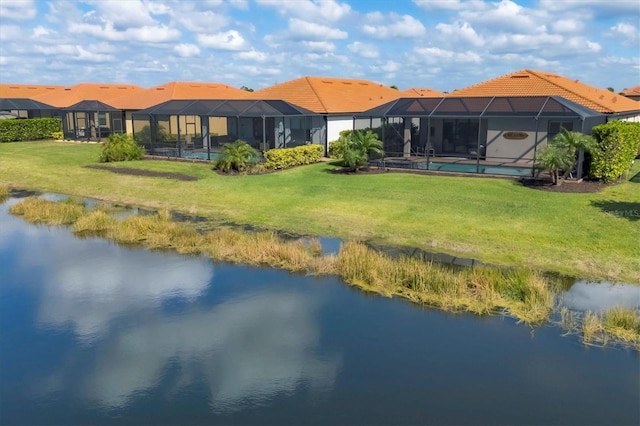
column 336, row 124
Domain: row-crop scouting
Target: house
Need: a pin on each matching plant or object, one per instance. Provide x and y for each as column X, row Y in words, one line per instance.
column 18, row 100
column 175, row 90
column 334, row 101
column 496, row 126
column 632, row 93
column 86, row 108
column 420, row 92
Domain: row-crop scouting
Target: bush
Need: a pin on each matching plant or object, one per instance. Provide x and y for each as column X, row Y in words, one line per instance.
column 57, row 135
column 28, row 129
column 358, row 147
column 617, row 144
column 283, row 158
column 236, row 156
column 120, row 147
column 338, row 147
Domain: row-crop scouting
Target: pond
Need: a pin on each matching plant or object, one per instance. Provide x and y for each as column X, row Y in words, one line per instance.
column 95, row 333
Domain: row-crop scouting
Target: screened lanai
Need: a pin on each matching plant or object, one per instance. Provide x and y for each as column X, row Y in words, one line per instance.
column 198, row 128
column 496, row 135
column 91, row 120
column 27, row 108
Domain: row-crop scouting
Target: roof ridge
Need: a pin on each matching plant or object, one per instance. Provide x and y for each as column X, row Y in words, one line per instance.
column 569, row 90
column 315, row 92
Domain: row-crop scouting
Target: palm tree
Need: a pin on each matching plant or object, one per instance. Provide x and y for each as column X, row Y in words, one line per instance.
column 362, row 145
column 236, row 156
column 560, row 153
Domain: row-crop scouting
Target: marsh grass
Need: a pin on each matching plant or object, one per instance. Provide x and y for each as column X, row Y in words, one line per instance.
column 619, row 325
column 623, row 323
column 38, row 210
column 4, row 192
column 522, row 293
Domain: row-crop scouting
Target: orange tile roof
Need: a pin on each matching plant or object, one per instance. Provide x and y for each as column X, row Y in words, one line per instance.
column 178, row 90
column 25, row 91
column 326, row 95
column 541, row 83
column 633, row 91
column 87, row 92
column 422, row 92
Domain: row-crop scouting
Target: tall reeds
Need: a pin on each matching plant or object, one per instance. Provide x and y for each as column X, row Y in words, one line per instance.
column 618, row 324
column 4, row 192
column 522, row 293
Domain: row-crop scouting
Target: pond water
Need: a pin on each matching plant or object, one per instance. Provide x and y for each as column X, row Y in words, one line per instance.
column 94, row 333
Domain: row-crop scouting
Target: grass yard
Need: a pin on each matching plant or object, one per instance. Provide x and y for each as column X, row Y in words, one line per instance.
column 494, row 220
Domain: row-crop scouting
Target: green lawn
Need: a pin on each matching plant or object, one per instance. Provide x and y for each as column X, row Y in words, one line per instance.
column 494, row 220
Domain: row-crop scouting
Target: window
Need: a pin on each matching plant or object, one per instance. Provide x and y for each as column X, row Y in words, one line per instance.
column 460, row 136
column 102, row 119
column 556, row 126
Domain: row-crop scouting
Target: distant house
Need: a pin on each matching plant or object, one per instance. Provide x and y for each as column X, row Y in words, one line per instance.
column 335, row 101
column 632, row 93
column 421, row 92
column 76, row 103
column 177, row 90
column 501, row 122
column 28, row 92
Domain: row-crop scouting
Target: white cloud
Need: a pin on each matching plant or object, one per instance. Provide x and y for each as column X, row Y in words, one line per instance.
column 404, row 26
column 251, row 55
column 201, row 21
column 239, row 4
column 186, row 50
column 507, row 15
column 327, row 10
column 305, row 30
column 319, row 46
column 628, row 32
column 440, row 4
column 124, row 14
column 227, row 40
column 157, row 34
column 460, row 32
column 567, row 25
column 11, row 33
column 363, row 50
column 18, row 10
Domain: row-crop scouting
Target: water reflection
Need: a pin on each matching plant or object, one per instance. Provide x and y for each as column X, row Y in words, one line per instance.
column 600, row 296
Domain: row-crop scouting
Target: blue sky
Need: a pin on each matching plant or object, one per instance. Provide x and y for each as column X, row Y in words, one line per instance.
column 439, row 44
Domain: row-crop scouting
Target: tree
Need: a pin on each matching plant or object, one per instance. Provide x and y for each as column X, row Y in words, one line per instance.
column 561, row 154
column 236, row 156
column 247, row 89
column 360, row 147
column 393, row 86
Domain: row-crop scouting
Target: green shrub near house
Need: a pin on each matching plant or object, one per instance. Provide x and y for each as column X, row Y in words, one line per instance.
column 617, row 144
column 284, row 158
column 120, row 147
column 28, row 129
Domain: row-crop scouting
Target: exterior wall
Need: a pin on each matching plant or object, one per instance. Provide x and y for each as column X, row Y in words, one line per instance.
column 633, row 118
column 128, row 122
column 498, row 148
column 336, row 124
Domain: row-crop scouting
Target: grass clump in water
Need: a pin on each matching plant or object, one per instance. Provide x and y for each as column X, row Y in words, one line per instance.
column 95, row 222
column 618, row 324
column 521, row 292
column 4, row 192
column 38, row 210
column 624, row 324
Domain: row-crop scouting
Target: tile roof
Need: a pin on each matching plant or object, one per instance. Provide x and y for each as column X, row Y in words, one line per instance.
column 178, row 90
column 25, row 91
column 633, row 91
column 536, row 83
column 326, row 95
column 422, row 92
column 87, row 92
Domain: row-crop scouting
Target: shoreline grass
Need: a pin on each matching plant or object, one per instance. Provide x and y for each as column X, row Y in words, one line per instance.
column 4, row 192
column 496, row 221
column 521, row 293
column 619, row 325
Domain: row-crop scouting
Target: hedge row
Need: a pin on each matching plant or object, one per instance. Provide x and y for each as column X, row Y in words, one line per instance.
column 283, row 158
column 28, row 129
column 617, row 144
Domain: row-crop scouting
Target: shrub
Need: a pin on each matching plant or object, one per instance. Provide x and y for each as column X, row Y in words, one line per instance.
column 338, row 147
column 283, row 158
column 57, row 135
column 120, row 147
column 28, row 129
column 561, row 154
column 238, row 156
column 617, row 144
column 360, row 147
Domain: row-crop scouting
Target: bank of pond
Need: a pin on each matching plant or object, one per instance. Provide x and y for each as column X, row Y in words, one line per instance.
column 528, row 295
column 103, row 321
